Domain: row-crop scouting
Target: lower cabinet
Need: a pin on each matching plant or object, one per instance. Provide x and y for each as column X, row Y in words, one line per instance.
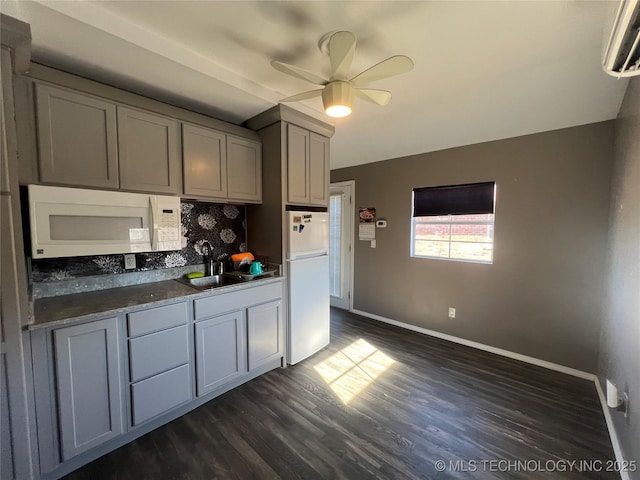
column 219, row 351
column 89, row 385
column 104, row 382
column 235, row 337
column 264, row 333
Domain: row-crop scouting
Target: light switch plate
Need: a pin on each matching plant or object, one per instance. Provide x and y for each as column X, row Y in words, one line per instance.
column 129, row 262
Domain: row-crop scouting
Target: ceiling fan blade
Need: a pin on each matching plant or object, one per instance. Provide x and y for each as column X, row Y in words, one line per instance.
column 303, row 95
column 387, row 68
column 381, row 97
column 342, row 46
column 298, row 73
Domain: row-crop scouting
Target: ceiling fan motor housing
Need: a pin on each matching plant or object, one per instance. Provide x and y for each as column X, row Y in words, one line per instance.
column 337, row 93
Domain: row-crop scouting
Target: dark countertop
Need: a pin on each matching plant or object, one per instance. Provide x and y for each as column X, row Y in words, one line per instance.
column 54, row 311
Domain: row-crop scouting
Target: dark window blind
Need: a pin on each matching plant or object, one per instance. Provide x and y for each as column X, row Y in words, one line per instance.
column 469, row 199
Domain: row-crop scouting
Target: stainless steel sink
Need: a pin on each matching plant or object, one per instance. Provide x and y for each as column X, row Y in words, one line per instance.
column 212, row 281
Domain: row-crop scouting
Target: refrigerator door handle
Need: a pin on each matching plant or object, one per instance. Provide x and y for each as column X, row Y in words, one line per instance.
column 305, row 255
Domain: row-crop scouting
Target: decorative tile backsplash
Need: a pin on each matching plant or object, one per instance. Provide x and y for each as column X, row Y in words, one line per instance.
column 224, row 226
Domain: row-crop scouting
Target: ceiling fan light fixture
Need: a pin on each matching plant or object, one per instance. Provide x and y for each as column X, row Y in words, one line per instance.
column 337, row 98
column 338, row 111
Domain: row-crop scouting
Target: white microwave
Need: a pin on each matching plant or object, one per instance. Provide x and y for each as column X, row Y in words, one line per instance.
column 72, row 222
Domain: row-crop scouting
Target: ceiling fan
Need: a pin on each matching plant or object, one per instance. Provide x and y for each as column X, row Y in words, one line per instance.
column 339, row 91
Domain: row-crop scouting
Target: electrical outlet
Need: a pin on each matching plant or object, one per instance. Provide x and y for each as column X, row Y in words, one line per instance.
column 373, row 244
column 452, row 312
column 129, row 262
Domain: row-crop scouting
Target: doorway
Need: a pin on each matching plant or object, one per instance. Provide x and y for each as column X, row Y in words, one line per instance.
column 341, row 219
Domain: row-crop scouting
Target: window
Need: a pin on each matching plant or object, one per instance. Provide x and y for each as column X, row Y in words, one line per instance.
column 335, row 244
column 454, row 222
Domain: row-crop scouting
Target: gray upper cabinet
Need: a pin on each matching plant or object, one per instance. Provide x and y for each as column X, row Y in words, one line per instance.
column 219, row 351
column 244, row 169
column 221, row 166
column 148, row 151
column 297, row 165
column 4, row 153
column 318, row 169
column 89, row 384
column 77, row 138
column 307, row 167
column 264, row 333
column 204, row 161
column 88, row 141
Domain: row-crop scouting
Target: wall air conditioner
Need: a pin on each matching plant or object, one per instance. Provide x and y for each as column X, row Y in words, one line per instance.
column 622, row 56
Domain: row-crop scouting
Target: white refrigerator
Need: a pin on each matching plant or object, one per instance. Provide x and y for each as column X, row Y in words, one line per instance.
column 308, row 284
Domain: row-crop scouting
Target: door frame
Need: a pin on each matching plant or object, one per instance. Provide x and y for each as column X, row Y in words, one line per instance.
column 351, row 184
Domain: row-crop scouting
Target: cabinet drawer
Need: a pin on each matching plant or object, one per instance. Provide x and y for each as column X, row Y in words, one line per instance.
column 217, row 304
column 159, row 394
column 159, row 318
column 157, row 352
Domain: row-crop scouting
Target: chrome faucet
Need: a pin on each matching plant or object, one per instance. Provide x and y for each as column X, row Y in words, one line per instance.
column 221, row 264
column 207, row 253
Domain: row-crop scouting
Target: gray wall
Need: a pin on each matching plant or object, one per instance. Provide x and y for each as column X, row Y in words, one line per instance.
column 543, row 294
column 620, row 341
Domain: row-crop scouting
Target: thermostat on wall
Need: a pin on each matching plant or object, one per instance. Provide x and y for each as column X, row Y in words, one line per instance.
column 381, row 223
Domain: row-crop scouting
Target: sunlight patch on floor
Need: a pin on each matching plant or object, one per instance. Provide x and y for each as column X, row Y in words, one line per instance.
column 353, row 368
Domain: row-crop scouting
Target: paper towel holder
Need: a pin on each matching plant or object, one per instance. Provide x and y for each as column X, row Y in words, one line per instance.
column 615, row 401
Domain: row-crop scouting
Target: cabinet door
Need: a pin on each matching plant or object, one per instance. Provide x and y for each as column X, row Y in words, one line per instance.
column 264, row 333
column 219, row 351
column 77, row 138
column 297, row 165
column 6, row 113
column 148, row 151
column 204, row 162
column 244, row 169
column 89, row 381
column 318, row 169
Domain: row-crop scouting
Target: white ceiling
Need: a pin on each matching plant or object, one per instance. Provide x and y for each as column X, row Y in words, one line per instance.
column 483, row 70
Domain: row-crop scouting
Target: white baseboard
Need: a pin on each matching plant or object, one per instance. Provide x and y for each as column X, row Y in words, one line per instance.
column 524, row 358
column 617, row 449
column 481, row 346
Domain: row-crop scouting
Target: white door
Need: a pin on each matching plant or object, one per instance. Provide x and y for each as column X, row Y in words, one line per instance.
column 341, row 218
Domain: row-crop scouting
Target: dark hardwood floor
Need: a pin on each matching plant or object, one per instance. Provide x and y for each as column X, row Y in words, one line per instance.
column 397, row 402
